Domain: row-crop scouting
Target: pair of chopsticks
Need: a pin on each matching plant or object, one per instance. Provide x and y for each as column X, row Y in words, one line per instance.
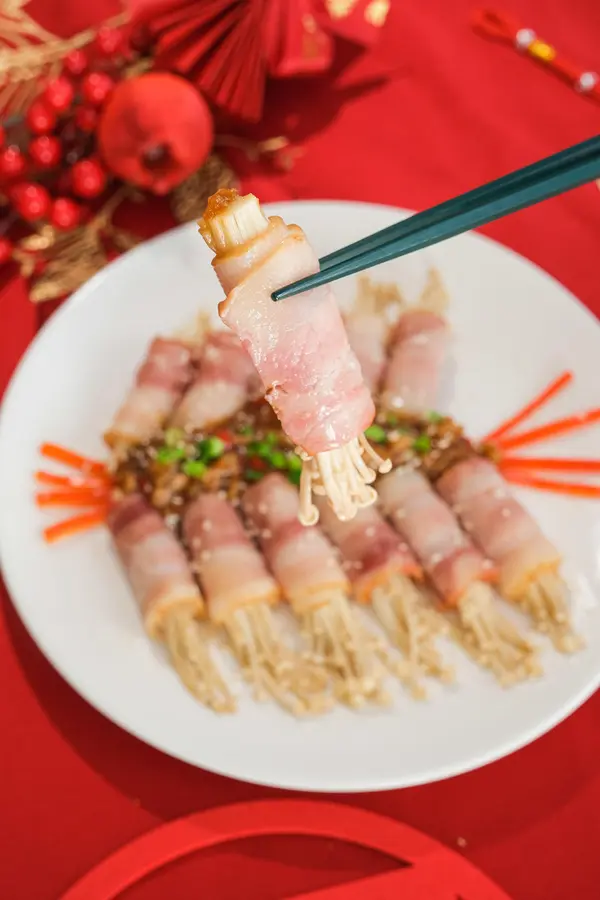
column 544, row 179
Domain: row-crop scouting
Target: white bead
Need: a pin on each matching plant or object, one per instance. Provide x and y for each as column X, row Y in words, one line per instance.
column 586, row 82
column 524, row 38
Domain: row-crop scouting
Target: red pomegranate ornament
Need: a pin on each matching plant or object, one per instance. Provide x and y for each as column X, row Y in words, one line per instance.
column 155, row 131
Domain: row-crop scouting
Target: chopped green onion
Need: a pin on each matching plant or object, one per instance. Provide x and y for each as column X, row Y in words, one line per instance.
column 377, row 434
column 253, row 475
column 260, row 448
column 434, row 416
column 211, row 448
column 244, row 429
column 173, row 436
column 294, row 477
column 391, row 418
column 422, row 444
column 294, row 463
column 278, row 460
column 271, row 438
column 167, row 455
column 194, row 468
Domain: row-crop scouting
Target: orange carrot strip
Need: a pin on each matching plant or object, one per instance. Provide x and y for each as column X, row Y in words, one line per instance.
column 69, row 481
column 74, row 525
column 559, row 426
column 571, row 488
column 550, row 391
column 74, row 460
column 71, row 498
column 550, row 464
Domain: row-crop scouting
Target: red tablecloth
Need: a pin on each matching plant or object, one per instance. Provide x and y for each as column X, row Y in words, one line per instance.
column 456, row 111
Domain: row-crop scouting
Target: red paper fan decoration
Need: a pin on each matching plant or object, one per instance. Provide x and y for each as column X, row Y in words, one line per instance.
column 228, row 48
column 431, row 871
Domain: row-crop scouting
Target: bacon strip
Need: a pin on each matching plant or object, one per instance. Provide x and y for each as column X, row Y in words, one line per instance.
column 301, row 558
column 418, row 349
column 371, row 550
column 300, row 348
column 159, row 383
column 225, row 379
column 366, row 335
column 232, row 571
column 503, row 528
column 429, row 526
column 155, row 563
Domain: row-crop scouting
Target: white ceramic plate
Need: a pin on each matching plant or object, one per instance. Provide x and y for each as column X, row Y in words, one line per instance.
column 515, row 329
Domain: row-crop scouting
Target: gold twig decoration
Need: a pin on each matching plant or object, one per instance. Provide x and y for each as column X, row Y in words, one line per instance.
column 29, row 53
column 71, row 257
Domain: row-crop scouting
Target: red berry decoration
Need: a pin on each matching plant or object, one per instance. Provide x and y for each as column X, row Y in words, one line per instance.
column 75, row 63
column 40, row 117
column 109, row 41
column 45, row 151
column 96, row 88
column 2, row 136
column 86, row 118
column 65, row 213
column 88, row 178
column 12, row 162
column 59, row 94
column 31, row 201
column 6, row 249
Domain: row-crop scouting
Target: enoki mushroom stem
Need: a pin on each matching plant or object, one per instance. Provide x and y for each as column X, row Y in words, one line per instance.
column 434, row 297
column 413, row 627
column 343, row 476
column 491, row 640
column 271, row 667
column 190, row 656
column 339, row 644
column 545, row 602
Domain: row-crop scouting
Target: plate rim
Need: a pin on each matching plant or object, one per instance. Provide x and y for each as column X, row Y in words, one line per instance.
column 370, row 782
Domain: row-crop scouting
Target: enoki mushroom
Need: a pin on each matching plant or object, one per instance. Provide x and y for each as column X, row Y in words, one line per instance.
column 413, row 627
column 491, row 640
column 545, row 602
column 338, row 642
column 271, row 667
column 190, row 655
column 343, row 476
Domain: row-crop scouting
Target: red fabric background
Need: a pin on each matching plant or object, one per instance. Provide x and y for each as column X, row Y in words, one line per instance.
column 456, row 111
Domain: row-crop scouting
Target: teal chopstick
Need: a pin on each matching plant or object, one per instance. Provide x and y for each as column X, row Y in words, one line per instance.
column 551, row 176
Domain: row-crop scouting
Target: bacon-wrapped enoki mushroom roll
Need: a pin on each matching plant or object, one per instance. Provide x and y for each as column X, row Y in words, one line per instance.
column 459, row 573
column 224, row 381
column 240, row 592
column 159, row 383
column 367, row 325
column 313, row 581
column 528, row 564
column 300, row 349
column 167, row 595
column 417, row 351
column 381, row 567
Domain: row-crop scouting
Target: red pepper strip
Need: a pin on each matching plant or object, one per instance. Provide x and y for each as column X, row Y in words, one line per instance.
column 550, row 464
column 74, row 525
column 68, row 481
column 225, row 435
column 73, row 497
column 571, row 488
column 74, row 460
column 534, row 404
column 258, row 464
column 560, row 426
